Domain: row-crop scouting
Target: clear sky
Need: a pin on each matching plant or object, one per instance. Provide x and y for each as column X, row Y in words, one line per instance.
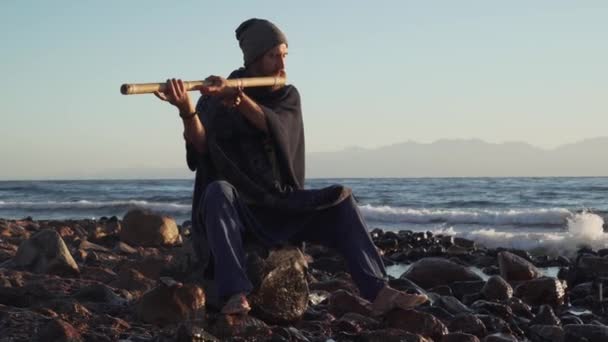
column 370, row 73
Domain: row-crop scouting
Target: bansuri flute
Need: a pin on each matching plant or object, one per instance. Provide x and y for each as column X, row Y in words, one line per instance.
column 146, row 88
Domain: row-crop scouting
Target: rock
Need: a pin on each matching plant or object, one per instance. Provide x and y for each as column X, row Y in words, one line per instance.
column 571, row 319
column 589, row 267
column 457, row 251
column 170, row 302
column 496, row 288
column 99, row 293
column 451, row 305
column 133, row 281
column 545, row 316
column 246, row 327
column 520, row 308
column 462, row 242
column 124, row 248
column 515, row 268
column 469, row 324
column 342, row 302
column 333, row 285
column 542, row 333
column 459, row 337
column 144, row 228
column 45, row 252
column 463, row 288
column 541, row 291
column 390, row 335
column 283, row 293
column 494, row 324
column 431, row 272
column 496, row 309
column 416, row 322
column 442, row 290
column 500, row 337
column 58, row 330
column 585, row 332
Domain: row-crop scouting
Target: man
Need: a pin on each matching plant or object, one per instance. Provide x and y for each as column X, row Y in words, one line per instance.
column 247, row 148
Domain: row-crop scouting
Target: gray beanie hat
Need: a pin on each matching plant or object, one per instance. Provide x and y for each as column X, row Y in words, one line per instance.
column 256, row 36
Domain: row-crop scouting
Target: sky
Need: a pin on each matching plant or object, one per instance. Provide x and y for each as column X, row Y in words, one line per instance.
column 370, row 74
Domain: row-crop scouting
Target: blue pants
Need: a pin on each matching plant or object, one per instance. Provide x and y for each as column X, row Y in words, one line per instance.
column 227, row 219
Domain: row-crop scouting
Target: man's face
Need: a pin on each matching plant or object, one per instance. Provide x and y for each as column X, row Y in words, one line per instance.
column 272, row 63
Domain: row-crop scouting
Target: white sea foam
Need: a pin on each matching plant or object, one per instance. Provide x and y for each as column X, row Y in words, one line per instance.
column 584, row 229
column 85, row 204
column 512, row 217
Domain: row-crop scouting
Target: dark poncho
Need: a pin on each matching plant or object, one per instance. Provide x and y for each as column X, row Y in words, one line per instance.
column 267, row 169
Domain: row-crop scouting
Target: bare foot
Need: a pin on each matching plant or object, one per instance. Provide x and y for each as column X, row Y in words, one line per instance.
column 389, row 298
column 237, row 304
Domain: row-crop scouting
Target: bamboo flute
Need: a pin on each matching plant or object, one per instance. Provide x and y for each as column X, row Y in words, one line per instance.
column 146, row 88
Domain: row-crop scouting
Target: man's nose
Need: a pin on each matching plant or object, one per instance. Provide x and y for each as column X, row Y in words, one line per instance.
column 281, row 63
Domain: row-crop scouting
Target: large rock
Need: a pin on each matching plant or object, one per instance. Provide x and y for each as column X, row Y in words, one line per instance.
column 516, row 268
column 542, row 333
column 342, row 302
column 459, row 337
column 545, row 316
column 585, row 332
column 283, row 292
column 589, row 267
column 45, row 252
column 541, row 291
column 452, row 305
column 170, row 302
column 144, row 228
column 469, row 324
column 416, row 322
column 431, row 272
column 496, row 288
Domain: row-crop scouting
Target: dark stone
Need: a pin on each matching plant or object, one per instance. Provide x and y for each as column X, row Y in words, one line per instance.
column 244, row 326
column 462, row 242
column 516, row 268
column 334, row 285
column 442, row 290
column 496, row 309
column 500, row 337
column 469, row 324
column 496, row 288
column 571, row 319
column 541, row 291
column 58, row 330
column 459, row 337
column 520, row 308
column 390, row 335
column 451, row 305
column 544, row 333
column 585, row 332
column 431, row 272
column 46, row 252
column 494, row 324
column 545, row 316
column 416, row 322
column 462, row 288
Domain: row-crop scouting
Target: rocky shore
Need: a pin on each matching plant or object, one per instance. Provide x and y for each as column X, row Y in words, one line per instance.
column 137, row 279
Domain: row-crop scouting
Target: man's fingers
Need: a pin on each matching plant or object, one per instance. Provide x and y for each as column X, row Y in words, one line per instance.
column 160, row 95
column 173, row 88
column 181, row 87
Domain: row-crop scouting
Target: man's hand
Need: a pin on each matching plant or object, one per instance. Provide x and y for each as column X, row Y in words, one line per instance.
column 218, row 88
column 176, row 94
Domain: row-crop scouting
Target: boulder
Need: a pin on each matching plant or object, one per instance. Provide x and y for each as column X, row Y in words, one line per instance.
column 469, row 324
column 170, row 302
column 585, row 332
column 144, row 228
column 432, row 272
column 545, row 290
column 46, row 252
column 416, row 322
column 496, row 288
column 542, row 333
column 516, row 268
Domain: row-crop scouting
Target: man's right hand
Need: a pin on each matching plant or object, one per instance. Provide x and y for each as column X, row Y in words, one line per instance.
column 176, row 94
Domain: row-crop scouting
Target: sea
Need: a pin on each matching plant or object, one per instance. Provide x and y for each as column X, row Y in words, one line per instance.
column 543, row 215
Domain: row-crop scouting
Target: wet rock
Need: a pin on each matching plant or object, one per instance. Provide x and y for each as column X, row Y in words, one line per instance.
column 463, row 288
column 500, row 338
column 516, row 268
column 342, row 302
column 451, row 305
column 571, row 319
column 290, row 334
column 362, row 322
column 496, row 309
column 133, row 281
column 589, row 267
column 542, row 333
column 496, row 288
column 442, row 290
column 416, row 322
column 457, row 251
column 46, row 252
column 246, row 327
column 545, row 316
column 459, row 337
column 58, row 330
column 283, row 293
column 494, row 324
column 390, row 335
column 469, row 324
column 99, row 293
column 520, row 308
column 170, row 302
column 541, row 291
column 431, row 272
column 585, row 332
column 144, row 228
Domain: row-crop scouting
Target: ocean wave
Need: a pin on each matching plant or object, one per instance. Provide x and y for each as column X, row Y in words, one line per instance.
column 88, row 205
column 583, row 229
column 511, row 217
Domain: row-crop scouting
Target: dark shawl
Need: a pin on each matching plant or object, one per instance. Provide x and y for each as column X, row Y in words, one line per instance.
column 267, row 169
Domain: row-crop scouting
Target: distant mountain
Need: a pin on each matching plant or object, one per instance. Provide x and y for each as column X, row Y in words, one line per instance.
column 463, row 158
